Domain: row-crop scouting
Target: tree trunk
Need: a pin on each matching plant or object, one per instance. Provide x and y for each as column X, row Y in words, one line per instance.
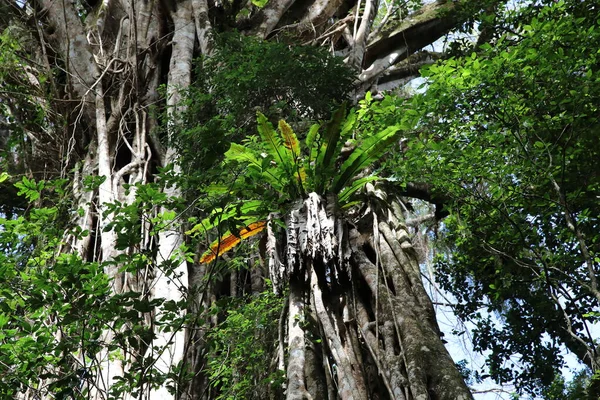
column 375, row 322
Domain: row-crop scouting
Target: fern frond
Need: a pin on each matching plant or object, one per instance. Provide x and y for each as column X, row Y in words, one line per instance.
column 312, row 142
column 349, row 124
column 369, row 151
column 329, row 149
column 270, row 139
column 312, row 145
column 290, row 141
column 293, row 162
column 331, row 139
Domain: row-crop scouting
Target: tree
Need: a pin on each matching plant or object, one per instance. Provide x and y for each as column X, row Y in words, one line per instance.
column 114, row 94
column 323, row 263
column 511, row 138
column 92, row 74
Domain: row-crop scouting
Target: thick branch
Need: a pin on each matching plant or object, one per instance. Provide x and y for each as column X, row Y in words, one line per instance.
column 349, row 386
column 269, row 16
column 70, row 36
column 415, row 32
column 318, row 13
column 426, row 191
column 296, row 389
column 408, row 68
column 203, row 26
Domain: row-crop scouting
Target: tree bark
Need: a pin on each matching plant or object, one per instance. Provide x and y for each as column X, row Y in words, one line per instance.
column 372, row 311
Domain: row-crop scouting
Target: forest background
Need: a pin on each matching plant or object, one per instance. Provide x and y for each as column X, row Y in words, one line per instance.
column 224, row 199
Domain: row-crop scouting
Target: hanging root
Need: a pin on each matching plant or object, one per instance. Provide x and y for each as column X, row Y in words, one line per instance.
column 361, row 306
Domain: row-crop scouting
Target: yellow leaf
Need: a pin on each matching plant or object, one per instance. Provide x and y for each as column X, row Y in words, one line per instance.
column 229, row 241
column 290, row 141
column 301, row 175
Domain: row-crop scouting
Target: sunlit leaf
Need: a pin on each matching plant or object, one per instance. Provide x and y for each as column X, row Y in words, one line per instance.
column 229, row 241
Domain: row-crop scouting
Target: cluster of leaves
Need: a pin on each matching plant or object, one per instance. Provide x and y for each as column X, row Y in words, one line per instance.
column 55, row 307
column 278, row 171
column 583, row 386
column 245, row 75
column 495, row 19
column 510, row 135
column 40, row 332
column 241, row 348
column 278, row 161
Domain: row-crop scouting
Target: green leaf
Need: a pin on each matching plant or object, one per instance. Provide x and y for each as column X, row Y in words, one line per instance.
column 249, row 211
column 332, row 138
column 329, row 148
column 267, row 133
column 30, row 189
column 312, row 144
column 293, row 166
column 358, row 184
column 369, row 151
column 290, row 141
column 349, row 124
column 243, row 154
column 240, row 153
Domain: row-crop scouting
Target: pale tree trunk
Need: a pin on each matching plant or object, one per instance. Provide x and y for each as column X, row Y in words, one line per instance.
column 118, row 48
column 115, row 54
column 372, row 312
column 170, row 283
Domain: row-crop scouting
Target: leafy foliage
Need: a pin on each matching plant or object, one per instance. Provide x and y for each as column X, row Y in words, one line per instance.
column 56, row 307
column 510, row 135
column 583, row 386
column 241, row 347
column 39, row 332
column 278, row 171
column 246, row 75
